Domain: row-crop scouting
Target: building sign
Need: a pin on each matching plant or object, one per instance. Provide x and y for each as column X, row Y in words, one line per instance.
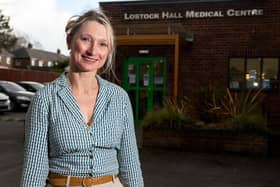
column 190, row 14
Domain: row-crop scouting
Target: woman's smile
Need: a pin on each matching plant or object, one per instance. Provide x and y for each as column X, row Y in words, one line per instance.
column 89, row 58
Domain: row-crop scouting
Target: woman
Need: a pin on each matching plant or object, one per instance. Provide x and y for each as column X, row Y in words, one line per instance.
column 79, row 129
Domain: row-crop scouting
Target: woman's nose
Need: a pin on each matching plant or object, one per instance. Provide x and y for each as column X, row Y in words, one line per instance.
column 92, row 49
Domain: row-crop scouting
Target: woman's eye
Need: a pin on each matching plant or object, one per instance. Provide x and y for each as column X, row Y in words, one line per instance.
column 86, row 39
column 104, row 44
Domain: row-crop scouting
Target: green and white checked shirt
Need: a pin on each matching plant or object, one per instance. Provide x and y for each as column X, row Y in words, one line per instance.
column 58, row 140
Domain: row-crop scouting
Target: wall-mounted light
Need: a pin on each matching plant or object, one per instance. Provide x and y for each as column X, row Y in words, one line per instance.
column 189, row 37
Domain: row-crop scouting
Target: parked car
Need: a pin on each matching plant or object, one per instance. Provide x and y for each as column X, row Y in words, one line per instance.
column 31, row 86
column 5, row 103
column 20, row 98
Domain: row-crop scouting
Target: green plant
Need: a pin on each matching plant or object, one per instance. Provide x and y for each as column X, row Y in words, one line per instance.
column 205, row 102
column 172, row 115
column 60, row 66
column 238, row 103
column 247, row 123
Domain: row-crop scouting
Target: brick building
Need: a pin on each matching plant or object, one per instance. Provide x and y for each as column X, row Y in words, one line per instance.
column 6, row 59
column 29, row 64
column 36, row 59
column 181, row 45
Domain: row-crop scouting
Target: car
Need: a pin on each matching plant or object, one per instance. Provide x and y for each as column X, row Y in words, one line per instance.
column 5, row 103
column 20, row 98
column 31, row 86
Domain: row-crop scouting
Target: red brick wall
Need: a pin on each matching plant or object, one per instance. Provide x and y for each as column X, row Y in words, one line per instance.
column 205, row 61
column 215, row 39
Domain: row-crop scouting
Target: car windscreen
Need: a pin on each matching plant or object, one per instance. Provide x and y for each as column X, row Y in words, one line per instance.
column 11, row 87
column 37, row 86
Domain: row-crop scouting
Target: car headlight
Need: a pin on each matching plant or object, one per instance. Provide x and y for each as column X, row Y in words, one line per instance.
column 23, row 98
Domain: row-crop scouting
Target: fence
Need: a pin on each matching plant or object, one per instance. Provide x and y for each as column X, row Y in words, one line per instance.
column 27, row 75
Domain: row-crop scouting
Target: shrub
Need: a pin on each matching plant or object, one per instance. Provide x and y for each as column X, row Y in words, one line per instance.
column 171, row 116
column 238, row 103
column 246, row 122
column 206, row 106
column 211, row 109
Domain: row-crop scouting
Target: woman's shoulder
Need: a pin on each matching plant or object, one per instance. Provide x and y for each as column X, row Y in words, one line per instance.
column 51, row 87
column 110, row 85
column 113, row 87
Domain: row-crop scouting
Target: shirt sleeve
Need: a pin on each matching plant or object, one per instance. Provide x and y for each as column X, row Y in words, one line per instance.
column 129, row 164
column 35, row 166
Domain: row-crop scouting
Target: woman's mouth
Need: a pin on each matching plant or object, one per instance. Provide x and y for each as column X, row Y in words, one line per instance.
column 88, row 58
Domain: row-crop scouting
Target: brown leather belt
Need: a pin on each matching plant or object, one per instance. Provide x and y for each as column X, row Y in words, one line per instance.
column 61, row 180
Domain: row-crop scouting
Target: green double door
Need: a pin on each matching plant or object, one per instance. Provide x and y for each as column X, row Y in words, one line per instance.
column 144, row 79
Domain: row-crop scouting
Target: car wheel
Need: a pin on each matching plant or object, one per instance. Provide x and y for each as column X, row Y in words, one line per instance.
column 13, row 106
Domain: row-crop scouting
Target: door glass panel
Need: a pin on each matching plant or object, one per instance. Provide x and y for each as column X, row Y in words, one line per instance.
column 144, row 75
column 131, row 70
column 132, row 96
column 143, row 103
column 253, row 73
column 158, row 73
column 157, row 100
column 144, row 81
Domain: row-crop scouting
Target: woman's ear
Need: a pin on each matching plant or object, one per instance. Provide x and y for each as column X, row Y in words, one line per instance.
column 68, row 40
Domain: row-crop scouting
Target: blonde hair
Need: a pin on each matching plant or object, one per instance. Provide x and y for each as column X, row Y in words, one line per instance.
column 75, row 22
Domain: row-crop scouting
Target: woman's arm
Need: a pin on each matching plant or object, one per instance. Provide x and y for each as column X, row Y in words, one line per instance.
column 36, row 167
column 130, row 169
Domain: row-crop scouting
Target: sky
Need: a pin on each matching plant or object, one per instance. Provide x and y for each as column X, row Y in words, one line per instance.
column 44, row 20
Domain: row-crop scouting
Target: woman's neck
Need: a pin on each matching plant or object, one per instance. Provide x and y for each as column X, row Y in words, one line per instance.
column 85, row 82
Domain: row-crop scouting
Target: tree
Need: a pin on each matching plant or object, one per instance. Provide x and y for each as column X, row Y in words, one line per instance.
column 23, row 39
column 7, row 38
column 59, row 67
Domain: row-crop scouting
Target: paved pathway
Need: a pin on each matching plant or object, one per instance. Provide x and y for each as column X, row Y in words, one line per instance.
column 161, row 168
column 167, row 168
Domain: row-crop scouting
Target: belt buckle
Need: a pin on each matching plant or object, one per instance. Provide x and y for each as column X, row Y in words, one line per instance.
column 84, row 182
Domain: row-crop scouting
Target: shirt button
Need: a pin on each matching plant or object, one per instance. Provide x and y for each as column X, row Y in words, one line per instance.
column 91, row 157
column 91, row 133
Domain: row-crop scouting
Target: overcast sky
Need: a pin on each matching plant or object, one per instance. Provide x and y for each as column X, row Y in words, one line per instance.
column 44, row 20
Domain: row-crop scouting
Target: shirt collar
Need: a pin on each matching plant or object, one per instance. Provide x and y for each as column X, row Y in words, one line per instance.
column 62, row 80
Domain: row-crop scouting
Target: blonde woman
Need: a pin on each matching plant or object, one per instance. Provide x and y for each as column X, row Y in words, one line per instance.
column 79, row 129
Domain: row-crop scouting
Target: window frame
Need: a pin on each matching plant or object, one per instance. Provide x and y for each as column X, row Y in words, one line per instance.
column 260, row 74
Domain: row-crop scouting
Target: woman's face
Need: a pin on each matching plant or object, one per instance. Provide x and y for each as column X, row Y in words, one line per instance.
column 89, row 47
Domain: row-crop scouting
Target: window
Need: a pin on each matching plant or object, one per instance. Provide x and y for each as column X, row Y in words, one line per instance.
column 248, row 73
column 270, row 72
column 50, row 63
column 8, row 60
column 33, row 62
column 41, row 63
column 253, row 72
column 17, row 63
column 236, row 73
column 0, row 59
